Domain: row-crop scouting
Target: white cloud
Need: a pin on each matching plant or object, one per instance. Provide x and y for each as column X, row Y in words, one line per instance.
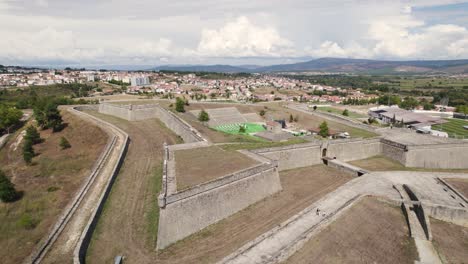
column 401, row 37
column 241, row 38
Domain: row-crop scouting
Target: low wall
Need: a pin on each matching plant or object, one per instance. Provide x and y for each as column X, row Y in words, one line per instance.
column 190, row 211
column 441, row 156
column 346, row 167
column 456, row 215
column 291, row 157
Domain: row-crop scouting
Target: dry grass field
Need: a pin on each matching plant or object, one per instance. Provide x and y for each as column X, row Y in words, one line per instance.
column 195, row 166
column 450, row 241
column 301, row 187
column 128, row 224
column 370, row 232
column 460, row 184
column 48, row 184
column 382, row 163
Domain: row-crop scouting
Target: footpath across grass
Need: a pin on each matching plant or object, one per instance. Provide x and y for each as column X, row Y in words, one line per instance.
column 454, row 128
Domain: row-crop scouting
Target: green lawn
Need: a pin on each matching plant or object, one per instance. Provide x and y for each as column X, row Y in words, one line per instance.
column 454, row 128
column 340, row 112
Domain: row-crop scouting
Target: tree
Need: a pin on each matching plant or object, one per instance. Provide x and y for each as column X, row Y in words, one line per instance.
column 203, row 116
column 262, row 112
column 315, row 107
column 32, row 135
column 291, row 118
column 9, row 117
column 64, row 144
column 242, row 129
column 345, row 112
column 47, row 114
column 180, row 105
column 462, row 109
column 28, row 151
column 324, row 132
column 409, row 103
column 8, row 192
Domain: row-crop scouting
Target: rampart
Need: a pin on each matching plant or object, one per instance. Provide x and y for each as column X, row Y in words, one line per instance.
column 191, row 210
column 309, row 154
column 441, row 156
column 148, row 111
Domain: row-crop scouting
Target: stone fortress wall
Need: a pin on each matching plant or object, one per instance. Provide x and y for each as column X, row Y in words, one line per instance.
column 185, row 212
column 188, row 211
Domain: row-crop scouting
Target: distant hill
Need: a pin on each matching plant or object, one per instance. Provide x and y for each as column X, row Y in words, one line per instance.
column 371, row 66
column 204, row 68
column 338, row 65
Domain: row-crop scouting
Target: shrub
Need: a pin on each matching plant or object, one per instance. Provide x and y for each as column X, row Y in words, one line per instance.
column 262, row 112
column 203, row 116
column 27, row 222
column 8, row 192
column 52, row 189
column 64, row 144
column 242, row 129
column 291, row 118
column 345, row 112
column 180, row 105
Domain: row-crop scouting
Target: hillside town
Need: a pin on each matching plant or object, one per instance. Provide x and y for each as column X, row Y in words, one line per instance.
column 255, row 87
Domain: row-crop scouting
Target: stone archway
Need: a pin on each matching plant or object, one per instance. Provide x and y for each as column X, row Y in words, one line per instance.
column 324, row 153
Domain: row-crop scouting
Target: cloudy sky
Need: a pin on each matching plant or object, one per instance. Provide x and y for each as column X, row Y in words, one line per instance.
column 154, row 32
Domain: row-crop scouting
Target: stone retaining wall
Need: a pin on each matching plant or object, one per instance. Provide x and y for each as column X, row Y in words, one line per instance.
column 143, row 112
column 438, row 156
column 193, row 209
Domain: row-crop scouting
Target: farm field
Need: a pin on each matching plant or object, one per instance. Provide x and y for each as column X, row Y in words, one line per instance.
column 410, row 83
column 454, row 128
column 370, row 232
column 47, row 185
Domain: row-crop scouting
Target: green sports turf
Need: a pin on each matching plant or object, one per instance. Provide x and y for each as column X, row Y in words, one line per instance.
column 234, row 128
column 454, row 128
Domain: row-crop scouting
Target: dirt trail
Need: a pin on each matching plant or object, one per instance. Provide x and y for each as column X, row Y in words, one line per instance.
column 123, row 227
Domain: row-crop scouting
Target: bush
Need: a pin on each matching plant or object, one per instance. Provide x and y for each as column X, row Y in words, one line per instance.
column 64, row 144
column 8, row 192
column 242, row 129
column 27, row 222
column 291, row 118
column 345, row 112
column 180, row 105
column 203, row 116
column 262, row 112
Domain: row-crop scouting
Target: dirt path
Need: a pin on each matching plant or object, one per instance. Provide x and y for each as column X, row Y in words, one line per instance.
column 124, row 227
